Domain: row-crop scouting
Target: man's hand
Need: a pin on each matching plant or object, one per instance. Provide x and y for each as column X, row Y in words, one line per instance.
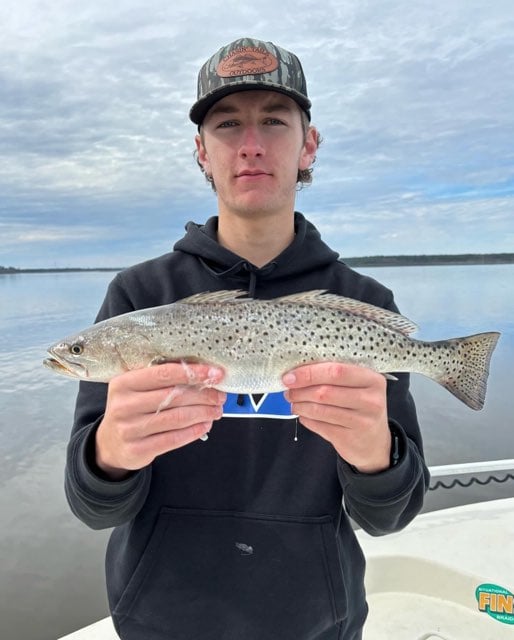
column 140, row 423
column 346, row 405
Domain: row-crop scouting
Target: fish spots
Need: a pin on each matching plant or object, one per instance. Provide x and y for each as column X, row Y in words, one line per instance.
column 255, row 341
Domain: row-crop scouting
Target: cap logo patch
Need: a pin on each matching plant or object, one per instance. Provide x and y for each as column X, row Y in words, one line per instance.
column 247, row 61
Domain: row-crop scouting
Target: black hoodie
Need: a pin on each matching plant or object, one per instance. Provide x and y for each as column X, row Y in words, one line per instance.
column 242, row 536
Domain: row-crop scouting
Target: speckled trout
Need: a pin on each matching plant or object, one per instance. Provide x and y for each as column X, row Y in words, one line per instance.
column 257, row 341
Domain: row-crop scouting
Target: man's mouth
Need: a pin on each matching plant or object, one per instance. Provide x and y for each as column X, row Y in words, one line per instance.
column 252, row 174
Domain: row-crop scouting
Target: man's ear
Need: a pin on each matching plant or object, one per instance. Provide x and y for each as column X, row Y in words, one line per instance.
column 203, row 158
column 310, row 147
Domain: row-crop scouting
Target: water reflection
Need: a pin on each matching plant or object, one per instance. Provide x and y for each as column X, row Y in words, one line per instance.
column 450, row 301
column 43, row 548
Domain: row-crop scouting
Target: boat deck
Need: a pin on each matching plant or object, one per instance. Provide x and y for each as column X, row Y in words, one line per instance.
column 422, row 582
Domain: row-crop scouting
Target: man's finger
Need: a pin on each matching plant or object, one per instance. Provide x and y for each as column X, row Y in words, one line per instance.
column 180, row 396
column 174, row 419
column 169, row 375
column 330, row 373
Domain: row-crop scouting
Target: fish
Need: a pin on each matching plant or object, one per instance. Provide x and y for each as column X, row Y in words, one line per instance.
column 256, row 341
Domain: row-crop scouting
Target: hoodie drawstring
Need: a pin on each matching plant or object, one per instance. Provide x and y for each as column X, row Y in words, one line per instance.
column 253, row 284
column 242, row 265
column 255, row 272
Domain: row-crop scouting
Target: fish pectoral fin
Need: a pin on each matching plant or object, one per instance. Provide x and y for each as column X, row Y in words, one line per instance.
column 180, row 360
column 161, row 360
column 184, row 362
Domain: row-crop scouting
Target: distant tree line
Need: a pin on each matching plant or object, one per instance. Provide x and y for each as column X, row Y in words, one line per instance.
column 4, row 270
column 425, row 260
column 364, row 261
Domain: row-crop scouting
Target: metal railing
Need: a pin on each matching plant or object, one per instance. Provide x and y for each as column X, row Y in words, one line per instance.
column 489, row 467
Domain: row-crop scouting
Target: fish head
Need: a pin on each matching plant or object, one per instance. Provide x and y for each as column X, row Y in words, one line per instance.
column 65, row 359
column 95, row 354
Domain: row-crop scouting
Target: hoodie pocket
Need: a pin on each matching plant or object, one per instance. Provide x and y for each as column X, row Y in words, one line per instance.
column 223, row 575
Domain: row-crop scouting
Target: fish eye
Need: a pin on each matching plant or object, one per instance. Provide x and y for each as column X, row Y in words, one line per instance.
column 76, row 349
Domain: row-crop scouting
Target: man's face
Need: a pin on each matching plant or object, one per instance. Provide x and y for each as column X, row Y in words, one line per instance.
column 252, row 144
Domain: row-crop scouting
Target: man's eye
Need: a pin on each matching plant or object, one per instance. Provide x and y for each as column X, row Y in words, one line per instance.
column 227, row 124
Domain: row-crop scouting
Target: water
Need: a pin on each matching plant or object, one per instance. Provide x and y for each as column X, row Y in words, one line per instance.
column 52, row 566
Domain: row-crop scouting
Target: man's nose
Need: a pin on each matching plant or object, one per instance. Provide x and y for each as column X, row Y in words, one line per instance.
column 251, row 143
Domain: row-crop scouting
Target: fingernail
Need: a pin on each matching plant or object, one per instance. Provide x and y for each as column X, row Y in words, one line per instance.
column 289, row 378
column 205, row 435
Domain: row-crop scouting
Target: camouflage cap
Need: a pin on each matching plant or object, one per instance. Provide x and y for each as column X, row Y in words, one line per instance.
column 249, row 64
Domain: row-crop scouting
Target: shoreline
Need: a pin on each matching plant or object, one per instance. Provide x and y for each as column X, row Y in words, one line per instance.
column 13, row 270
column 431, row 260
column 364, row 261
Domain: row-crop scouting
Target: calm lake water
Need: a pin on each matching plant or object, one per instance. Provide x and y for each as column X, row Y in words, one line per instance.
column 52, row 566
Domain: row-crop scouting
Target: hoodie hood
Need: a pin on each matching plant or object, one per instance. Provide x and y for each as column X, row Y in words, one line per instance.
column 306, row 253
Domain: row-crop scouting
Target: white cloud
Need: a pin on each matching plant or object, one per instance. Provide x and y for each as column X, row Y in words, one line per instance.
column 414, row 101
column 27, row 234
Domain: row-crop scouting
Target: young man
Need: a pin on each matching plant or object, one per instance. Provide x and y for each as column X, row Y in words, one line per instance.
column 243, row 535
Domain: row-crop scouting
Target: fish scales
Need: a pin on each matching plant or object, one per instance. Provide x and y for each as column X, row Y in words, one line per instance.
column 257, row 341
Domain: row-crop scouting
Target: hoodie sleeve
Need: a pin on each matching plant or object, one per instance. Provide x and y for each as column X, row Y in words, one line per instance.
column 93, row 498
column 385, row 502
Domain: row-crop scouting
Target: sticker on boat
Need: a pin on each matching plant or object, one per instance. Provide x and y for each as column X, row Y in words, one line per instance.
column 496, row 601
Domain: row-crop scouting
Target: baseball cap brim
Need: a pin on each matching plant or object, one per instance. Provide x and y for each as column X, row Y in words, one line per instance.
column 200, row 109
column 245, row 65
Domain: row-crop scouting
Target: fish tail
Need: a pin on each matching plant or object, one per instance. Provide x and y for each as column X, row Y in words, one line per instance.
column 466, row 376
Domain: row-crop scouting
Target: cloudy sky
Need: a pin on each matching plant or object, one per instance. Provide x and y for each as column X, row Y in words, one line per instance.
column 414, row 99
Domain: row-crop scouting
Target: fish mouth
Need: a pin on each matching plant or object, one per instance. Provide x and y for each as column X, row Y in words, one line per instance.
column 59, row 365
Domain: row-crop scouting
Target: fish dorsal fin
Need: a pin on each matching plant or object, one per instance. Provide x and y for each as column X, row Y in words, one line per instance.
column 315, row 298
column 205, row 297
column 323, row 300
